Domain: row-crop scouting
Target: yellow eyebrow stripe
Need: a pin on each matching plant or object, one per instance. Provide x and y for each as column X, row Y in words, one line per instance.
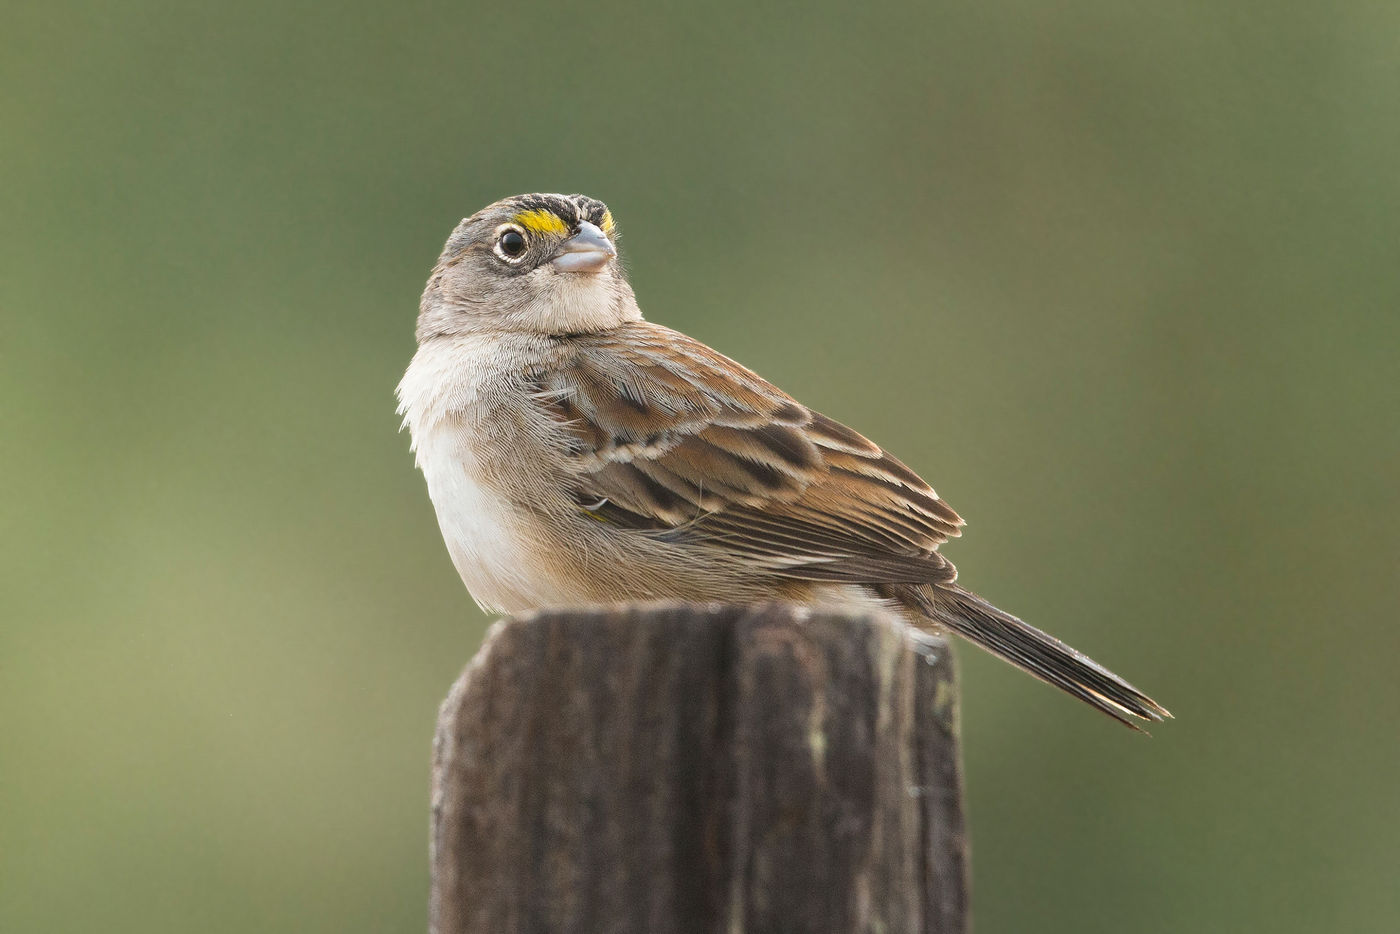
column 541, row 222
column 607, row 223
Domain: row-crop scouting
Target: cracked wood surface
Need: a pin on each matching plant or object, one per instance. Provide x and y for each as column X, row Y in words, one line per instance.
column 715, row 770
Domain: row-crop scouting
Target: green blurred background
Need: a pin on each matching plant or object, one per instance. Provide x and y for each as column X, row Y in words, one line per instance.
column 1120, row 279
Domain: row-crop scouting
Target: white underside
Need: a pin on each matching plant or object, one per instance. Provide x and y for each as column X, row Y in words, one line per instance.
column 439, row 401
column 475, row 525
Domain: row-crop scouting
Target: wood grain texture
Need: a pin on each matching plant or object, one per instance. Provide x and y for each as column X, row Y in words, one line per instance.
column 715, row 770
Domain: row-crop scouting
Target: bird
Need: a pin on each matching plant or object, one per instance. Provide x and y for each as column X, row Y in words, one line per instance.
column 576, row 453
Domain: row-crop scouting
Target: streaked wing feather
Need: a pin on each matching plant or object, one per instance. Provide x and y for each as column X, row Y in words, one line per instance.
column 673, row 438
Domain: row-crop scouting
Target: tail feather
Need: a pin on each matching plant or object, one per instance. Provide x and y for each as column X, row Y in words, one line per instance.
column 1038, row 653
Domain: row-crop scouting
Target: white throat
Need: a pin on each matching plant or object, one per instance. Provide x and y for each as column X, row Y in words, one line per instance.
column 578, row 302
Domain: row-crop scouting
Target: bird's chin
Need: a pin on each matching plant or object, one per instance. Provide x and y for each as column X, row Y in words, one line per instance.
column 576, row 302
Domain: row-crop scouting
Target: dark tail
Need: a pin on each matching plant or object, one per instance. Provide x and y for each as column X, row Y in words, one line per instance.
column 1042, row 655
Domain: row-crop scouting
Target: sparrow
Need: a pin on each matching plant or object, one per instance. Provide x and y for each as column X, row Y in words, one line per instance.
column 578, row 454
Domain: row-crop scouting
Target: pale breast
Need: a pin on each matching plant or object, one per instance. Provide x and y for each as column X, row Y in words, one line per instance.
column 459, row 399
column 480, row 528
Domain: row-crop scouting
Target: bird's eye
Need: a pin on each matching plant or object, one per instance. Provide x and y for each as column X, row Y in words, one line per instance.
column 511, row 243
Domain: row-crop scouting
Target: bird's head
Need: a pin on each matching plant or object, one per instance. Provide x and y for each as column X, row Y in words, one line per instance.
column 545, row 264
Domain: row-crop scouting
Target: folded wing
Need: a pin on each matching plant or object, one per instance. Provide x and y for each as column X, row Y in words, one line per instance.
column 676, row 440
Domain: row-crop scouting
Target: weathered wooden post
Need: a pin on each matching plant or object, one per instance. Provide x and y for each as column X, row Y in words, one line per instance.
column 677, row 769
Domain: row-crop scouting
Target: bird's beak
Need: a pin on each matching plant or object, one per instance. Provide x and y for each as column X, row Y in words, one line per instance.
column 589, row 250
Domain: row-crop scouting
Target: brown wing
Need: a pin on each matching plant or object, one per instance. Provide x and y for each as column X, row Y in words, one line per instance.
column 682, row 442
